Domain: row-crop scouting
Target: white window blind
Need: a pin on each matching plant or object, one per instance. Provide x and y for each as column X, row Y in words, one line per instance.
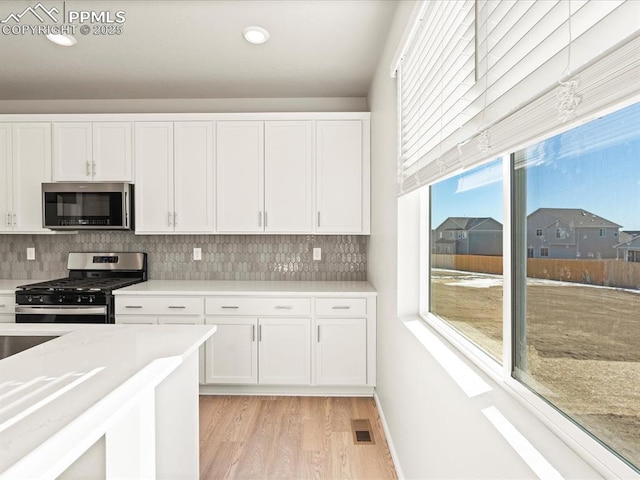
column 520, row 51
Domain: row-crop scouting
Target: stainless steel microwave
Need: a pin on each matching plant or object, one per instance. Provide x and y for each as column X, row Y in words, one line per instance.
column 87, row 206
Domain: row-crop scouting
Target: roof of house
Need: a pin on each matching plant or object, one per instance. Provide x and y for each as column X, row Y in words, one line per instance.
column 468, row 223
column 576, row 217
column 633, row 244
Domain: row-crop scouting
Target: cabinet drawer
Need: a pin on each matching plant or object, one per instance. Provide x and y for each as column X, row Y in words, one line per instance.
column 159, row 306
column 258, row 307
column 341, row 307
column 7, row 304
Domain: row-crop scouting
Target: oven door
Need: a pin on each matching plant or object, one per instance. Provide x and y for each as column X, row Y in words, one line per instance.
column 61, row 314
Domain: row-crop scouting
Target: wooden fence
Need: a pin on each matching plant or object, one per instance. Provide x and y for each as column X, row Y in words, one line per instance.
column 611, row 273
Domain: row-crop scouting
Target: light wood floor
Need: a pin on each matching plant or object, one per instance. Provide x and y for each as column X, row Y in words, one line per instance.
column 289, row 438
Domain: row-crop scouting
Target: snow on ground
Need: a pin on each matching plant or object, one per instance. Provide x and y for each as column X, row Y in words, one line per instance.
column 460, row 278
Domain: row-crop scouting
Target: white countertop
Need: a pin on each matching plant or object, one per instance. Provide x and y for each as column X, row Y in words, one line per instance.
column 53, row 394
column 221, row 287
column 8, row 287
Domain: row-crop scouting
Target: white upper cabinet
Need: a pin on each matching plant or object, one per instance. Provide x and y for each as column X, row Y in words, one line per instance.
column 25, row 159
column 112, row 152
column 6, row 178
column 153, row 151
column 92, row 151
column 288, row 177
column 264, row 176
column 174, row 181
column 342, row 177
column 193, row 176
column 239, row 176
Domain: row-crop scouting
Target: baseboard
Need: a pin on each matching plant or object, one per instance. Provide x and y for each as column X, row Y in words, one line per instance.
column 292, row 390
column 385, row 428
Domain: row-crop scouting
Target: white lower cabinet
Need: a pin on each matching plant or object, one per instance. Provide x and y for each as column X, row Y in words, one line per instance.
column 7, row 309
column 341, row 351
column 232, row 352
column 273, row 341
column 163, row 310
column 284, row 351
column 265, row 351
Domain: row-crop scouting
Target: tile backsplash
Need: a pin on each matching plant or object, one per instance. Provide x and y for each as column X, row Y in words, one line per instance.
column 224, row 257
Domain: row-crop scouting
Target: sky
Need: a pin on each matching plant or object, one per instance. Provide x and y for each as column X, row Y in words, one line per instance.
column 595, row 167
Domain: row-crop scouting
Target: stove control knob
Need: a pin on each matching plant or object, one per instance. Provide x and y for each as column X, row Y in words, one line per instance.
column 60, row 299
column 79, row 299
column 41, row 299
column 91, row 297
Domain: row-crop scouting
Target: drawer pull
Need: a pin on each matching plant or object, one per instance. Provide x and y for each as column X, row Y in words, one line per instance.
column 2, row 306
column 253, row 335
column 177, row 306
column 341, row 307
column 284, row 307
column 133, row 306
column 318, row 336
column 230, row 307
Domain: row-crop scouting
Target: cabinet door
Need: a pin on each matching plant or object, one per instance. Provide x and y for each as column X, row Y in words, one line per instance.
column 341, row 351
column 188, row 320
column 72, row 152
column 193, row 181
column 31, row 166
column 6, row 184
column 153, row 146
column 288, row 177
column 112, row 152
column 340, row 177
column 232, row 352
column 284, row 351
column 239, row 176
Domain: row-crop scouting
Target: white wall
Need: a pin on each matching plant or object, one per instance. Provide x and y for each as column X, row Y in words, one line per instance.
column 186, row 105
column 437, row 430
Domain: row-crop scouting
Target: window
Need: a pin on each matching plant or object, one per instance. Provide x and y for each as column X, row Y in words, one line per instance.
column 538, row 67
column 576, row 337
column 466, row 290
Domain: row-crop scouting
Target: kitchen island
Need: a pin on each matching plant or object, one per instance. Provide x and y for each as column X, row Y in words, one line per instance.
column 114, row 401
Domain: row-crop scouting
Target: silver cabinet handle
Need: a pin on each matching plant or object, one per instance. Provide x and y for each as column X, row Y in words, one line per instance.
column 88, row 169
column 8, row 219
column 318, row 219
column 233, row 307
column 2, row 306
column 259, row 219
column 253, row 333
column 133, row 306
column 175, row 218
column 284, row 307
column 177, row 306
column 318, row 334
column 259, row 333
column 265, row 219
column 341, row 307
column 169, row 218
column 93, row 168
column 15, row 219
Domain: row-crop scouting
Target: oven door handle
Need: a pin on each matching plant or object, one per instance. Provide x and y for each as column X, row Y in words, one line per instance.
column 100, row 310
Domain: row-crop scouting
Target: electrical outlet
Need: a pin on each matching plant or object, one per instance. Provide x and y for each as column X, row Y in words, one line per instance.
column 317, row 254
column 31, row 253
column 197, row 253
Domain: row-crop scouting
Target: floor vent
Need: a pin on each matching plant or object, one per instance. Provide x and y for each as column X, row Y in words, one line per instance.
column 362, row 434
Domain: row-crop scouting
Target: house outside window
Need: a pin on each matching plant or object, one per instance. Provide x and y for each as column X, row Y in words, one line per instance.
column 538, row 232
column 544, row 251
column 603, row 232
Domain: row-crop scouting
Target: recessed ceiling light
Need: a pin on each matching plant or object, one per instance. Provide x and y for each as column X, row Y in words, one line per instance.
column 255, row 35
column 64, row 40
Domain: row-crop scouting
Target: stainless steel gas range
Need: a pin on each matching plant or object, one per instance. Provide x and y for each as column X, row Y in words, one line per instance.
column 85, row 296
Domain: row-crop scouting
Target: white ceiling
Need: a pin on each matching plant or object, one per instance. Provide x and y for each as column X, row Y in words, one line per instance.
column 195, row 49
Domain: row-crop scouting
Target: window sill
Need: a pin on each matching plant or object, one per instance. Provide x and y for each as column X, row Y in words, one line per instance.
column 458, row 357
